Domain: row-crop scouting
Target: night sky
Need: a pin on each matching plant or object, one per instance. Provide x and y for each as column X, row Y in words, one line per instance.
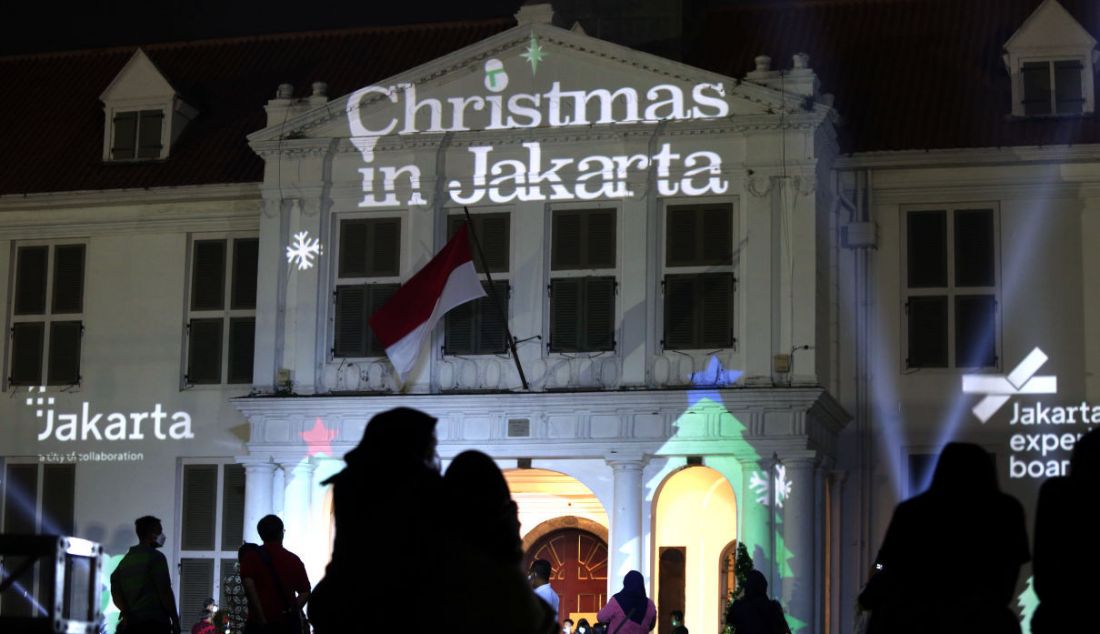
column 33, row 26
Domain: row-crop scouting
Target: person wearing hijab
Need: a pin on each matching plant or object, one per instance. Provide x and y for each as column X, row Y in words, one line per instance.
column 1065, row 567
column 951, row 556
column 483, row 543
column 629, row 611
column 754, row 612
column 387, row 503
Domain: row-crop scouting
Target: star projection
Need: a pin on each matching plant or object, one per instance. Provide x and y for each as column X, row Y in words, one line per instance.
column 534, row 54
column 318, row 439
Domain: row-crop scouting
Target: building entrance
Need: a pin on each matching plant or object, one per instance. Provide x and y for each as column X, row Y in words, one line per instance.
column 579, row 559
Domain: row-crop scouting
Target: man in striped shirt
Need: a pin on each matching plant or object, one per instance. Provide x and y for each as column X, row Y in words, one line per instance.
column 141, row 586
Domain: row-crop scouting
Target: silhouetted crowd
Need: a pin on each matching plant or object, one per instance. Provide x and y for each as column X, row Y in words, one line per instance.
column 949, row 562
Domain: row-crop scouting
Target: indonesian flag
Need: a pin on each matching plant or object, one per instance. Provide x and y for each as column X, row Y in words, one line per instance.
column 403, row 322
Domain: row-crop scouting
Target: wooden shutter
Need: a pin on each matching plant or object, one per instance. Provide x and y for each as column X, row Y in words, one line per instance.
column 681, row 232
column 30, row 280
column 715, row 310
column 717, row 235
column 242, row 339
column 1068, row 94
column 564, row 314
column 208, row 275
column 58, row 499
column 20, row 499
column 493, row 232
column 199, row 508
column 245, row 262
column 492, row 337
column 459, row 325
column 1036, row 76
column 64, row 357
column 679, row 312
column 353, row 248
column 204, row 351
column 927, row 337
column 27, row 340
column 598, row 302
column 384, row 249
column 351, row 321
column 565, row 251
column 233, row 482
column 150, row 123
column 68, row 278
column 378, row 295
column 196, row 585
column 125, row 137
column 599, row 239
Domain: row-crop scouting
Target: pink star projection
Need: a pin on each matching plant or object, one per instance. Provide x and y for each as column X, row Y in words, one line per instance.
column 318, row 438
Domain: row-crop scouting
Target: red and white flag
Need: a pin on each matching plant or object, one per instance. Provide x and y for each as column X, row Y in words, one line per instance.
column 447, row 281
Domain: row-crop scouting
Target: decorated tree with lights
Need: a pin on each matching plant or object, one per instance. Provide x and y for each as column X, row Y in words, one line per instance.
column 741, row 568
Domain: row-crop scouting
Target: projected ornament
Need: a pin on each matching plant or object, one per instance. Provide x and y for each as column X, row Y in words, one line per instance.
column 758, row 482
column 303, row 250
column 534, row 54
column 318, row 438
column 496, row 78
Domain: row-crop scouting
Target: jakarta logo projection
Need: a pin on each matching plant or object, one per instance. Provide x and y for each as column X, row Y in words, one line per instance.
column 89, row 425
column 536, row 177
column 1042, row 448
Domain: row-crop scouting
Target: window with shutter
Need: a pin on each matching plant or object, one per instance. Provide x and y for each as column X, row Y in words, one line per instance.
column 221, row 328
column 368, row 266
column 46, row 315
column 582, row 314
column 492, row 232
column 951, row 288
column 698, row 283
column 137, row 135
column 370, row 247
column 211, row 508
column 354, row 306
column 583, row 239
column 475, row 327
column 58, row 498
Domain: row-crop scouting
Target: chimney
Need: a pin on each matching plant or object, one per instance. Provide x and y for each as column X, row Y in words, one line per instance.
column 535, row 13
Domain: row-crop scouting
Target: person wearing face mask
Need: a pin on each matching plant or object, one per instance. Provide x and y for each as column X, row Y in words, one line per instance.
column 141, row 586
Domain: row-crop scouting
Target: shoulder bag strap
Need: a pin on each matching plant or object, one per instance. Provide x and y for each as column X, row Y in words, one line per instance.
column 266, row 557
column 620, row 626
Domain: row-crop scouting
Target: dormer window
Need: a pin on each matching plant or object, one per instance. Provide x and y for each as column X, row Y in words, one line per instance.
column 137, row 135
column 1051, row 60
column 1053, row 87
column 143, row 114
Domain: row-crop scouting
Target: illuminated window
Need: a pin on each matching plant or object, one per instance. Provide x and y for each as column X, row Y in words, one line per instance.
column 47, row 319
column 37, row 499
column 698, row 281
column 137, row 134
column 221, row 326
column 475, row 327
column 368, row 273
column 582, row 281
column 1053, row 87
column 211, row 528
column 951, row 288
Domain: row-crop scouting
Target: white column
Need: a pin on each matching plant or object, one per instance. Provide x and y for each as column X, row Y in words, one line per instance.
column 257, row 495
column 626, row 518
column 278, row 493
column 799, row 526
column 297, row 503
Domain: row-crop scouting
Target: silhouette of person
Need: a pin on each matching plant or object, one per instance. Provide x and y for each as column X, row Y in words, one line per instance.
column 629, row 611
column 386, row 504
column 1065, row 566
column 141, row 586
column 754, row 612
column 274, row 580
column 963, row 519
column 483, row 542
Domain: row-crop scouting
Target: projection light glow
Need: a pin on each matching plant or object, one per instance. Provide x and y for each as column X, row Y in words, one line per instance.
column 502, row 181
column 85, row 426
column 302, row 250
column 1036, row 453
column 758, row 482
column 534, row 54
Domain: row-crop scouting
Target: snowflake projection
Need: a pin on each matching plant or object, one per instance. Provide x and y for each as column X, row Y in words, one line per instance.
column 759, row 484
column 303, row 250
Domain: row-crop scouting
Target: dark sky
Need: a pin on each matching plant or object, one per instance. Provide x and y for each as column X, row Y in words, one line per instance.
column 31, row 26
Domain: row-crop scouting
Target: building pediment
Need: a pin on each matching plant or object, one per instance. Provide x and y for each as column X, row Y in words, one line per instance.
column 535, row 77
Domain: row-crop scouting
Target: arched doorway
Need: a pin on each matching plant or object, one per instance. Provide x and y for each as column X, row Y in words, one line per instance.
column 579, row 560
column 695, row 520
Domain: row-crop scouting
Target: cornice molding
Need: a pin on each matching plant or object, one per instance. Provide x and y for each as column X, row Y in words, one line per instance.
column 969, row 157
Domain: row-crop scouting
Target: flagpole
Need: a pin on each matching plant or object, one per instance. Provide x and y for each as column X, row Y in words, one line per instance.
column 501, row 314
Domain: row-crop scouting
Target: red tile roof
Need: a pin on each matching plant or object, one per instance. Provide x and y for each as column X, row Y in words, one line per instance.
column 51, row 120
column 907, row 74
